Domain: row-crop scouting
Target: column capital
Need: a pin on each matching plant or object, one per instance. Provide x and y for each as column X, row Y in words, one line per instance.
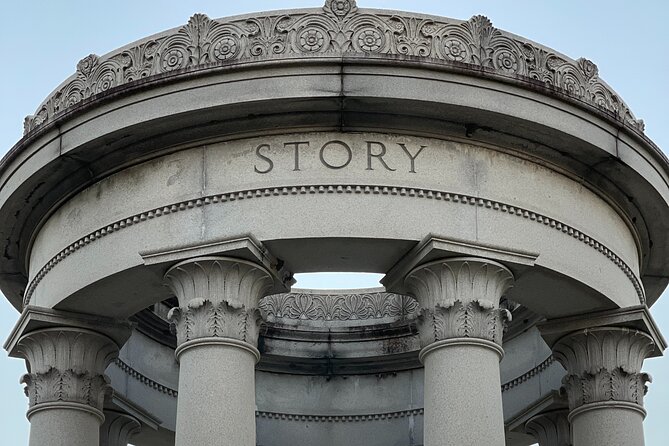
column 550, row 428
column 459, row 298
column 66, row 368
column 604, row 366
column 218, row 299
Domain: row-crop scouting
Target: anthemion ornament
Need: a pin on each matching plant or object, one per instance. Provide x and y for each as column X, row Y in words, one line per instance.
column 162, row 198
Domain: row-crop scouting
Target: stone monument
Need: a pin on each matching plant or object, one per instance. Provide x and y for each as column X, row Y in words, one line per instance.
column 163, row 196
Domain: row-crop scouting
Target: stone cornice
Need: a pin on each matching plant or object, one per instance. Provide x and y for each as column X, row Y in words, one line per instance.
column 339, row 30
column 261, row 193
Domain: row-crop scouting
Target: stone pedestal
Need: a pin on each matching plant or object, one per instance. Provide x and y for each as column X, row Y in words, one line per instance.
column 217, row 334
column 461, row 328
column 550, row 428
column 605, row 385
column 66, row 384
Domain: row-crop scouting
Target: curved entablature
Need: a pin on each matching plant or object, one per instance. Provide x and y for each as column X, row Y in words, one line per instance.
column 339, row 30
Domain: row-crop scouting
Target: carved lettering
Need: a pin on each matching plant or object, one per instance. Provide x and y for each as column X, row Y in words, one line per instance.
column 336, row 154
column 270, row 163
column 379, row 155
column 349, row 154
column 412, row 158
column 296, row 145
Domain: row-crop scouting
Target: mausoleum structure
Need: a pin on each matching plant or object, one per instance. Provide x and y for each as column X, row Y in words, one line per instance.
column 162, row 198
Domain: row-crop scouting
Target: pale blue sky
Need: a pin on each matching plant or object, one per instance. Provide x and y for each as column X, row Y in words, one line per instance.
column 42, row 41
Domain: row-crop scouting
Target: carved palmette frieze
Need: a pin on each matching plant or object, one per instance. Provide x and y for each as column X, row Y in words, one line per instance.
column 218, row 297
column 604, row 364
column 337, row 307
column 67, row 365
column 462, row 320
column 550, row 428
column 339, row 29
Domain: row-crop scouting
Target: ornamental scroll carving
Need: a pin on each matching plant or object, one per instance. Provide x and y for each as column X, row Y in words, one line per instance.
column 459, row 298
column 67, row 366
column 338, row 307
column 218, row 297
column 604, row 364
column 339, row 29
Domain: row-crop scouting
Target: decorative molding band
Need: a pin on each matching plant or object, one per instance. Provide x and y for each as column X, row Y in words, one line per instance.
column 338, row 30
column 65, row 405
column 418, row 193
column 536, row 371
column 339, row 418
column 459, row 342
column 607, row 405
column 337, row 307
column 226, row 342
column 125, row 368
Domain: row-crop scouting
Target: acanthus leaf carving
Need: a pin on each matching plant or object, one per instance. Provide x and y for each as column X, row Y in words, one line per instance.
column 604, row 364
column 67, row 365
column 218, row 298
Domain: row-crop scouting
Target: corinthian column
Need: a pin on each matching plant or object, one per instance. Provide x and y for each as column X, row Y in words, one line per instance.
column 217, row 334
column 605, row 385
column 461, row 327
column 66, row 384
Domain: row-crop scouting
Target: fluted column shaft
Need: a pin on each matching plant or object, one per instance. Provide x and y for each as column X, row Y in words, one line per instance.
column 461, row 327
column 605, row 385
column 217, row 334
column 550, row 428
column 66, row 384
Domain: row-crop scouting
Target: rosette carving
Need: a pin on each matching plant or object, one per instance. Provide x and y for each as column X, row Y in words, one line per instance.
column 340, row 28
column 218, row 297
column 67, row 366
column 604, row 364
column 459, row 298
